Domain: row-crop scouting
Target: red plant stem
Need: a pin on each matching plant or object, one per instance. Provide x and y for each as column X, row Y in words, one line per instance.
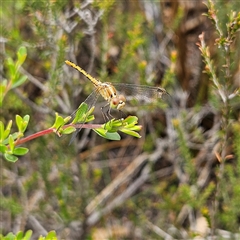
column 35, row 135
column 51, row 130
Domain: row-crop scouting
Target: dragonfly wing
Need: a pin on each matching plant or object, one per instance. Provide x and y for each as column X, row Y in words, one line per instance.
column 91, row 102
column 142, row 93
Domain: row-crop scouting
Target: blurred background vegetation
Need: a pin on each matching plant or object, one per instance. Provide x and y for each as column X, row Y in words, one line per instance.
column 181, row 179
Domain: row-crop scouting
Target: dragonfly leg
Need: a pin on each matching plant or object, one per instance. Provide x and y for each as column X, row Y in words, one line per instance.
column 122, row 114
column 107, row 114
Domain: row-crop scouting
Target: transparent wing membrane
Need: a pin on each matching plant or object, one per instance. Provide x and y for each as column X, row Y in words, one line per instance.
column 141, row 93
column 91, row 102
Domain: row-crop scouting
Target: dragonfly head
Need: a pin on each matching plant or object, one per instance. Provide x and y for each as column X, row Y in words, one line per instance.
column 118, row 102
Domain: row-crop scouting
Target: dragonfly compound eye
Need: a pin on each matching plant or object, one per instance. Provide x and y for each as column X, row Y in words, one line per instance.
column 118, row 102
column 114, row 102
column 121, row 102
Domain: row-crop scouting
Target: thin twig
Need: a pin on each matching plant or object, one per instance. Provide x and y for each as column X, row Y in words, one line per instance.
column 159, row 231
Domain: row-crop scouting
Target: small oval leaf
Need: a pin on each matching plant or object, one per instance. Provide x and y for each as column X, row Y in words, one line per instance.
column 68, row 130
column 80, row 114
column 19, row 121
column 11, row 67
column 20, row 151
column 59, row 122
column 19, row 236
column 9, row 125
column 25, row 122
column 131, row 120
column 51, row 236
column 113, row 136
column 131, row 133
column 105, row 134
column 21, row 54
column 26, row 118
column 11, row 142
column 28, row 235
column 10, row 157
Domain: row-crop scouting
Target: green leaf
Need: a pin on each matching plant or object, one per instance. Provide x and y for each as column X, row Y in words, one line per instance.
column 19, row 81
column 113, row 136
column 8, row 129
column 14, row 136
column 68, row 130
column 26, row 118
column 21, row 55
column 11, row 142
column 19, row 236
column 51, row 236
column 114, row 125
column 131, row 120
column 11, row 68
column 28, row 235
column 89, row 117
column 1, row 131
column 10, row 157
column 67, row 119
column 100, row 131
column 80, row 113
column 9, row 236
column 128, row 126
column 25, row 122
column 134, row 127
column 131, row 133
column 108, row 125
column 108, row 135
column 3, row 89
column 3, row 148
column 20, row 151
column 58, row 121
column 19, row 122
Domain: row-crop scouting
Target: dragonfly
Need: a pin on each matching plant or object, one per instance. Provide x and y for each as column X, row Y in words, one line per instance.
column 117, row 94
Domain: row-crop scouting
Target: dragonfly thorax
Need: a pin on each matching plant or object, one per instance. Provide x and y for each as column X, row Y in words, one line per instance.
column 109, row 93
